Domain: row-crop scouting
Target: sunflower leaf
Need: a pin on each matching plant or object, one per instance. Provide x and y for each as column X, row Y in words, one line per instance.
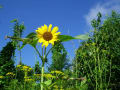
column 30, row 39
column 64, row 38
column 82, row 37
column 31, row 35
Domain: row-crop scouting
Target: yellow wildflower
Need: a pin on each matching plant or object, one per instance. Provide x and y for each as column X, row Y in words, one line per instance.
column 26, row 68
column 57, row 72
column 18, row 66
column 48, row 76
column 1, row 77
column 10, row 74
column 30, row 69
column 29, row 80
column 46, row 35
column 36, row 74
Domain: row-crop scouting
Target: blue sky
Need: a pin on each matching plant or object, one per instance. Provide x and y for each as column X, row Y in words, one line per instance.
column 71, row 16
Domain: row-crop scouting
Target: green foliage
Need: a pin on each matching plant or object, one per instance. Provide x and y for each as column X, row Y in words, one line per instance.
column 82, row 37
column 18, row 31
column 64, row 38
column 20, row 74
column 7, row 53
column 37, row 68
column 98, row 58
column 59, row 57
column 83, row 85
column 30, row 39
column 16, row 85
column 6, row 60
column 18, row 28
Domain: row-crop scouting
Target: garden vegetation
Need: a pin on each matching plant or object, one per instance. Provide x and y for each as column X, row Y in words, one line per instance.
column 96, row 65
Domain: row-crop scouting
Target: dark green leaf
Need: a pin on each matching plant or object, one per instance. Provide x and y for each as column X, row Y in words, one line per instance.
column 31, row 35
column 22, row 27
column 64, row 38
column 30, row 39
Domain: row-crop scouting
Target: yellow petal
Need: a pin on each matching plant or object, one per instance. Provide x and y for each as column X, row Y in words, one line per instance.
column 54, row 37
column 39, row 36
column 45, row 27
column 39, row 31
column 57, row 33
column 42, row 27
column 42, row 45
column 49, row 28
column 52, row 42
column 39, row 28
column 45, row 43
column 55, row 29
column 41, row 40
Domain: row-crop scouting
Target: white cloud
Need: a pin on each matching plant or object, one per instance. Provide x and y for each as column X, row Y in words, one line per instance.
column 104, row 8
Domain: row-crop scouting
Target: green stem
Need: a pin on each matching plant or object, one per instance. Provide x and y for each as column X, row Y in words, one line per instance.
column 42, row 79
column 42, row 71
column 43, row 57
column 110, row 72
column 45, row 52
column 76, row 74
column 38, row 53
column 48, row 52
column 96, row 72
column 42, row 51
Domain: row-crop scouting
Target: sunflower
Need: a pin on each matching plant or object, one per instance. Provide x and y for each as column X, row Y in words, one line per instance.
column 47, row 35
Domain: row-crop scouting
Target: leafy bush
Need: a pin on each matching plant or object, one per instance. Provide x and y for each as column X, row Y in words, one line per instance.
column 98, row 58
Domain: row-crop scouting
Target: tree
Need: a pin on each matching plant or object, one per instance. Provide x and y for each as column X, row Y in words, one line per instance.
column 8, row 52
column 18, row 31
column 98, row 58
column 37, row 68
column 59, row 57
column 6, row 60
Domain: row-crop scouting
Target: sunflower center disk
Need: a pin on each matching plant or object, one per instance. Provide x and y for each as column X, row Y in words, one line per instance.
column 47, row 36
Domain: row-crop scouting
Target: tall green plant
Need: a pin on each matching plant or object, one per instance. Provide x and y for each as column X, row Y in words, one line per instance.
column 37, row 68
column 99, row 56
column 6, row 61
column 111, row 32
column 17, row 32
column 59, row 57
